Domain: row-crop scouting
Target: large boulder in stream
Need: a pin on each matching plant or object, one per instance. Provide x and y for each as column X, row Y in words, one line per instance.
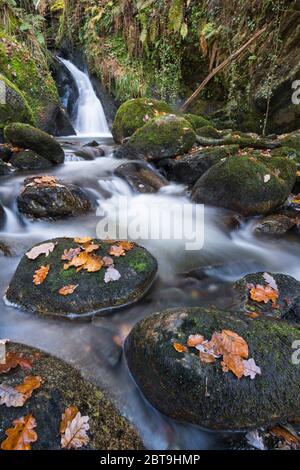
column 29, row 160
column 28, row 137
column 141, row 177
column 249, row 185
column 103, row 276
column 164, row 137
column 133, row 114
column 46, row 197
column 62, row 387
column 286, row 306
column 189, row 390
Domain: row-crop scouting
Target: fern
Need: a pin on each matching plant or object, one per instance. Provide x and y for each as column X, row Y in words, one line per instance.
column 176, row 15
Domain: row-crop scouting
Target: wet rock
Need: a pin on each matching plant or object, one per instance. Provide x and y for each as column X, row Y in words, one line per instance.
column 276, row 224
column 89, row 153
column 15, row 107
column 137, row 269
column 141, row 177
column 133, row 114
column 92, row 143
column 30, row 160
column 287, row 306
column 5, row 250
column 5, row 168
column 63, row 386
column 163, row 137
column 45, row 200
column 187, row 169
column 247, row 184
column 25, row 136
column 5, row 152
column 188, row 390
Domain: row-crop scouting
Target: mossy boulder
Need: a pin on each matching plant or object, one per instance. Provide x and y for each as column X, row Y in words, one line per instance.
column 133, row 114
column 291, row 140
column 141, row 177
column 93, row 295
column 188, row 390
column 247, row 184
column 63, row 386
column 163, row 137
column 188, row 169
column 44, row 200
column 197, row 121
column 29, row 160
column 274, row 224
column 287, row 305
column 287, row 152
column 15, row 108
column 28, row 137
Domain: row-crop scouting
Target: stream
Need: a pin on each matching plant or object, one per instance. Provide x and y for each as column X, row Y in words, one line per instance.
column 94, row 346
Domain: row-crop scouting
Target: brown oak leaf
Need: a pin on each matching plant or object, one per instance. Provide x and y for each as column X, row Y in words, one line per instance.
column 21, row 435
column 68, row 290
column 116, row 250
column 40, row 275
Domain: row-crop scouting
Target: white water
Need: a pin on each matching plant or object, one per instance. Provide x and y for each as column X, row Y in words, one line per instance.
column 90, row 118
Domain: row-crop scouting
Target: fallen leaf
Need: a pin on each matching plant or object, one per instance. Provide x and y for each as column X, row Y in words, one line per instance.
column 108, row 261
column 83, row 240
column 67, row 290
column 286, row 435
column 267, row 178
column 194, row 340
column 252, row 314
column 70, row 254
column 116, row 250
column 93, row 264
column 251, row 369
column 91, row 248
column 228, row 342
column 67, row 417
column 75, row 435
column 127, row 246
column 270, row 280
column 264, row 294
column 41, row 274
column 111, row 275
column 78, row 260
column 234, row 364
column 17, row 396
column 180, row 347
column 13, row 360
column 44, row 249
column 206, row 357
column 21, row 435
column 45, row 180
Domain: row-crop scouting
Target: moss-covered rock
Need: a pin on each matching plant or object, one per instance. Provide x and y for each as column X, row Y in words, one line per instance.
column 247, row 184
column 133, row 114
column 188, row 169
column 197, row 121
column 188, row 390
column 286, row 152
column 29, row 160
column 275, row 224
column 28, row 137
column 15, row 107
column 44, row 200
column 163, row 137
column 30, row 74
column 93, row 295
column 287, row 306
column 63, row 386
column 291, row 140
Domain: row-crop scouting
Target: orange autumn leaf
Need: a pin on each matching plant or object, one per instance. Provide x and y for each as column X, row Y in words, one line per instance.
column 21, row 435
column 67, row 290
column 252, row 314
column 13, row 360
column 77, row 261
column 17, row 396
column 40, row 275
column 233, row 363
column 75, row 434
column 66, row 418
column 46, row 180
column 228, row 342
column 264, row 294
column 116, row 251
column 90, row 248
column 284, row 434
column 194, row 340
column 29, row 384
column 93, row 264
column 127, row 246
column 181, row 348
column 206, row 357
column 83, row 240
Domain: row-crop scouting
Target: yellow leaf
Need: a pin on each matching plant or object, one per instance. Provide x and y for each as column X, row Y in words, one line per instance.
column 41, row 274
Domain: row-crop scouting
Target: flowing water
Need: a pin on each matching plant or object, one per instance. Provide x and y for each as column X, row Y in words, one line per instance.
column 94, row 346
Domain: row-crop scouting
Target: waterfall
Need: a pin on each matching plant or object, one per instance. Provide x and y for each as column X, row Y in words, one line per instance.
column 90, row 118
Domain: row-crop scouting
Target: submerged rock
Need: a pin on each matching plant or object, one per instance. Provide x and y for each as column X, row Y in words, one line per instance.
column 276, row 224
column 92, row 295
column 62, row 387
column 29, row 160
column 287, row 306
column 28, row 137
column 188, row 390
column 163, row 137
column 141, row 177
column 48, row 200
column 247, row 184
column 133, row 114
column 189, row 168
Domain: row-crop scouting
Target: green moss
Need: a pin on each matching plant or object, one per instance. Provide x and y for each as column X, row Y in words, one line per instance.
column 197, row 121
column 133, row 114
column 16, row 107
